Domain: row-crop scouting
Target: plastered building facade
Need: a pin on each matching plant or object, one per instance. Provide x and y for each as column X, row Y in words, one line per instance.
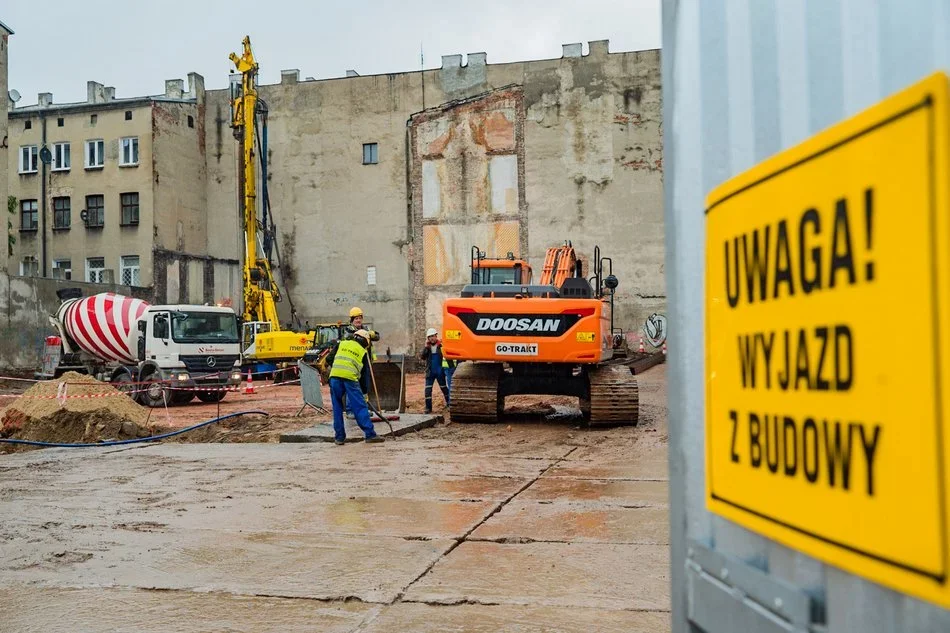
column 120, row 195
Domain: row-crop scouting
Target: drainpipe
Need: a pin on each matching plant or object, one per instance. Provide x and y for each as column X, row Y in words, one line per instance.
column 43, row 194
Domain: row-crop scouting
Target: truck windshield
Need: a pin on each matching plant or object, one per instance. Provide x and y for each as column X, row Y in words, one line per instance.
column 204, row 327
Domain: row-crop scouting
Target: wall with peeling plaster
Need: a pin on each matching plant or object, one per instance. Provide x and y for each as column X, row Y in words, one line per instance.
column 525, row 154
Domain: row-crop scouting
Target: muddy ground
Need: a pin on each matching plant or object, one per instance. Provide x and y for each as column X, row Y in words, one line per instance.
column 525, row 525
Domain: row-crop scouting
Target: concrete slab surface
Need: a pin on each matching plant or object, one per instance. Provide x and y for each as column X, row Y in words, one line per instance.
column 323, row 432
column 506, row 527
column 627, row 493
column 100, row 610
column 550, row 574
column 644, row 468
column 409, row 617
column 521, row 521
column 316, row 566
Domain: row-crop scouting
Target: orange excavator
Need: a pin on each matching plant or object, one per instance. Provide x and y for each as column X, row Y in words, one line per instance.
column 552, row 338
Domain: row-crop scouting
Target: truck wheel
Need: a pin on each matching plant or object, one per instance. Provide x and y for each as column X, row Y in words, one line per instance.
column 182, row 397
column 211, row 396
column 123, row 382
column 154, row 393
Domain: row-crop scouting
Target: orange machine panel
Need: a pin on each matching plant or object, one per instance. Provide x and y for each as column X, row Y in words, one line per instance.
column 531, row 330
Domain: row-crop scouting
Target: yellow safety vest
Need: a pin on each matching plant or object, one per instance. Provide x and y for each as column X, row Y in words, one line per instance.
column 348, row 361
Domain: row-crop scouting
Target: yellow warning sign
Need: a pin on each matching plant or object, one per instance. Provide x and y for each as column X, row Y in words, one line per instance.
column 827, row 344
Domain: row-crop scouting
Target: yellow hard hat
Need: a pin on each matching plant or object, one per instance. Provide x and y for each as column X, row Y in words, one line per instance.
column 363, row 334
column 355, row 312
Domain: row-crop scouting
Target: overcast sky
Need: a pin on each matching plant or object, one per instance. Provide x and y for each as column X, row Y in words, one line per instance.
column 135, row 46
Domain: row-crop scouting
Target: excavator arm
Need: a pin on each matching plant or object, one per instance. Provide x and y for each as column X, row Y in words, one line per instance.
column 559, row 264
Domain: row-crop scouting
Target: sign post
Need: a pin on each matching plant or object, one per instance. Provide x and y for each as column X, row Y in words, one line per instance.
column 820, row 433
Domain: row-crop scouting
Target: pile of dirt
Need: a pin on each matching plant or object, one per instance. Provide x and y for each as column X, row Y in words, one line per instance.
column 40, row 416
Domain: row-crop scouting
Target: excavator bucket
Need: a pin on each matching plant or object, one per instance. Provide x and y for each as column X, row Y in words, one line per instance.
column 389, row 373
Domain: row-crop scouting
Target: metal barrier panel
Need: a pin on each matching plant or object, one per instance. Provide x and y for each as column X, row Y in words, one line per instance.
column 743, row 80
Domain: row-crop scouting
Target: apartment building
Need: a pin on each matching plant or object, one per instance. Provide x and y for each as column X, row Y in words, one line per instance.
column 112, row 190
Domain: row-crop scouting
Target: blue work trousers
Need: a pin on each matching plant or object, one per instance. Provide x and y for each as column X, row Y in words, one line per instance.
column 357, row 404
column 432, row 378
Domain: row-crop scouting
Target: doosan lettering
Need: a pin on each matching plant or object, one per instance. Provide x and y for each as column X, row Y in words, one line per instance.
column 518, row 325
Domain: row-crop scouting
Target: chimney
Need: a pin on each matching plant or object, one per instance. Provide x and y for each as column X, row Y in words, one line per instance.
column 45, row 99
column 572, row 50
column 109, row 93
column 451, row 61
column 599, row 48
column 476, row 59
column 174, row 88
column 290, row 76
column 95, row 92
column 352, row 73
column 196, row 87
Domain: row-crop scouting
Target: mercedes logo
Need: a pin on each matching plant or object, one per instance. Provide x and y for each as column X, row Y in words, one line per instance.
column 212, row 361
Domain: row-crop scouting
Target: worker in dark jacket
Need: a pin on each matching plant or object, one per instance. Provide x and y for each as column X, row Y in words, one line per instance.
column 344, row 380
column 435, row 371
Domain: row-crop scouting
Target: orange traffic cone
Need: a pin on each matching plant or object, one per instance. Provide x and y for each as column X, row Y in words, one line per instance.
column 641, row 350
column 249, row 387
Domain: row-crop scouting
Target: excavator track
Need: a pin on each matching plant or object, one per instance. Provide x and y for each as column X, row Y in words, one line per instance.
column 614, row 396
column 475, row 392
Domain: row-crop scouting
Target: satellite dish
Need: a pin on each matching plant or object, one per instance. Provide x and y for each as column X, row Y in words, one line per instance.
column 14, row 95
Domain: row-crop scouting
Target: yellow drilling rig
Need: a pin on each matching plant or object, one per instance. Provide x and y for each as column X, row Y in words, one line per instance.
column 265, row 343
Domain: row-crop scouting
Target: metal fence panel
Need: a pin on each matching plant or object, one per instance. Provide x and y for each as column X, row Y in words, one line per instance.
column 744, row 79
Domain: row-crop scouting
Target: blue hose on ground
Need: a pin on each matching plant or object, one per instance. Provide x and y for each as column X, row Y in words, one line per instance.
column 137, row 440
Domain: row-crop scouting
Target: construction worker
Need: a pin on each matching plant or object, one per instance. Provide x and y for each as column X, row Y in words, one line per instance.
column 344, row 380
column 435, row 369
column 356, row 323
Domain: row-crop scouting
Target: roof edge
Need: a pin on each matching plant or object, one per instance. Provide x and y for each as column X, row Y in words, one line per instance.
column 6, row 28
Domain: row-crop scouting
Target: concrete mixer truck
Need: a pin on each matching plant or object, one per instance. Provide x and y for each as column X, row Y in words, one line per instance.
column 159, row 354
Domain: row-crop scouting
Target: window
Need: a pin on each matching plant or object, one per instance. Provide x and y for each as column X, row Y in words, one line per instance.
column 95, row 269
column 370, row 153
column 28, row 159
column 28, row 216
column 95, row 211
column 30, row 267
column 129, row 266
column 130, row 151
column 191, row 121
column 60, row 122
column 61, row 159
column 370, row 275
column 128, row 115
column 130, row 208
column 27, row 124
column 62, row 269
column 93, row 118
column 95, row 153
column 62, row 208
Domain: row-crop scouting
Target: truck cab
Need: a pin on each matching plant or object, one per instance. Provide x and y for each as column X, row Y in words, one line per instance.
column 190, row 346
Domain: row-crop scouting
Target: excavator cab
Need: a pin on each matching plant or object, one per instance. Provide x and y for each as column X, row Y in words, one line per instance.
column 499, row 270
